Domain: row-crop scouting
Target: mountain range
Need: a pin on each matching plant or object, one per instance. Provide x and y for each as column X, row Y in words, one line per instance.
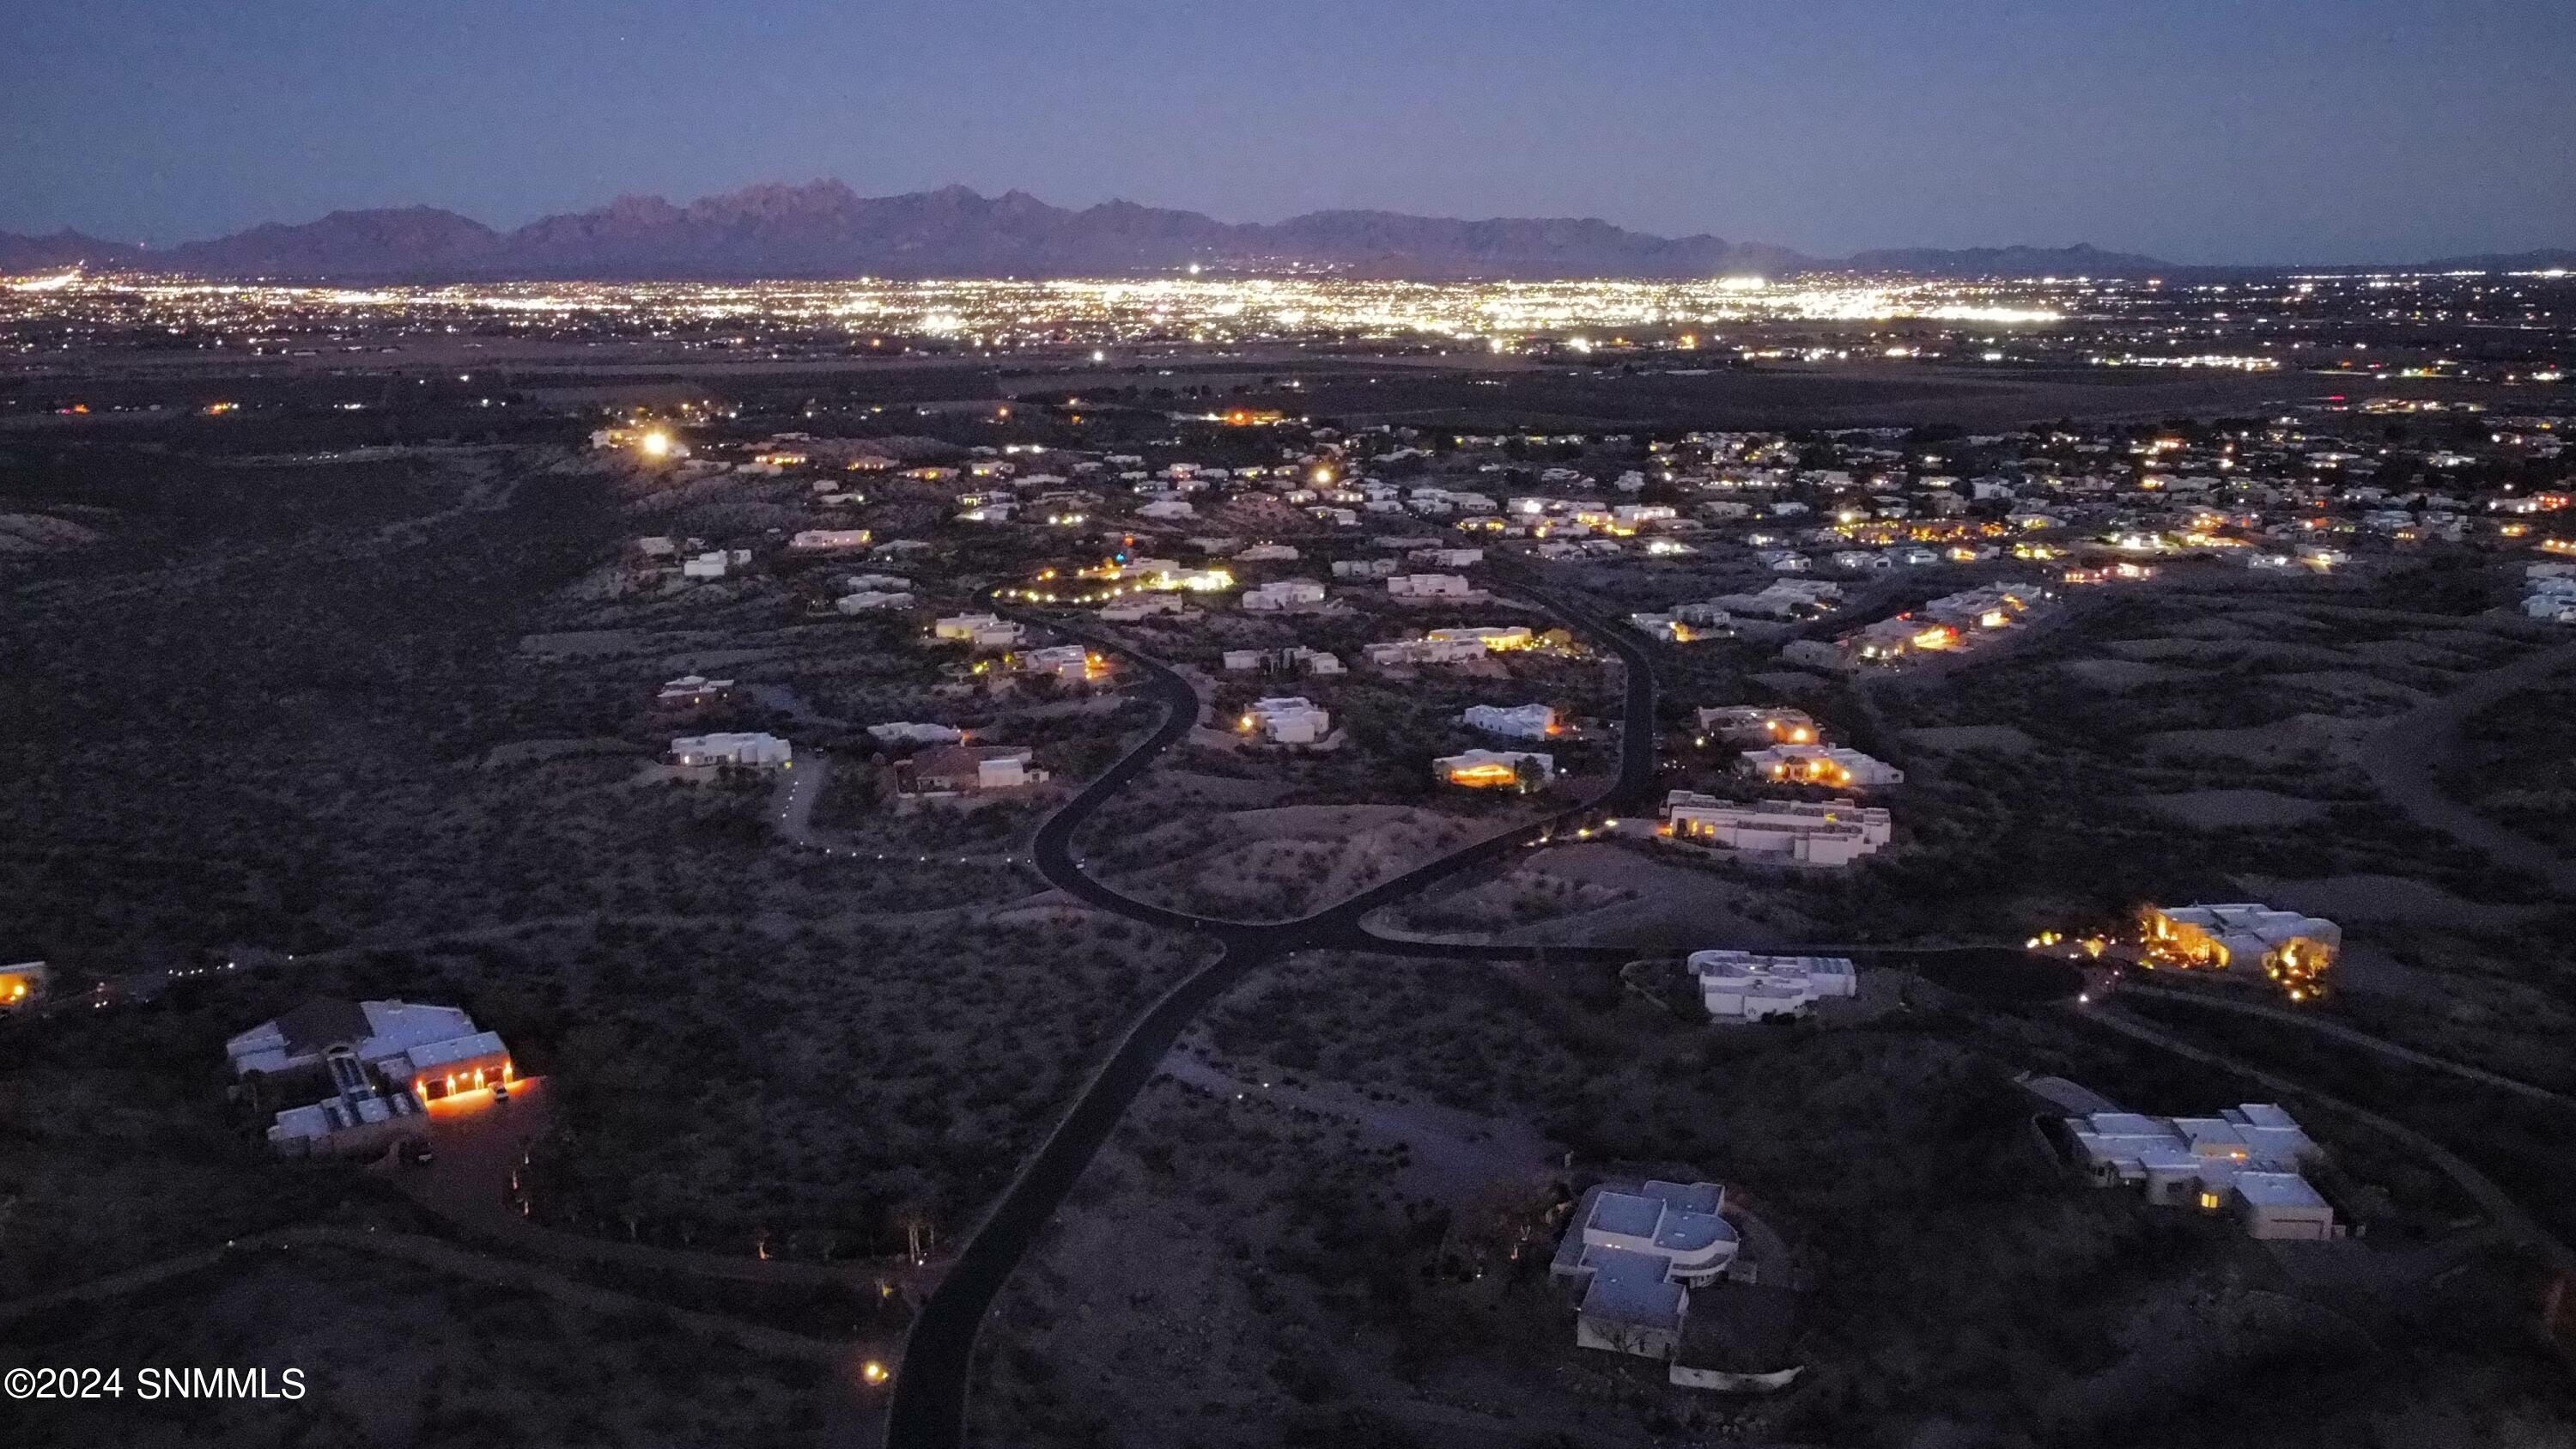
column 826, row 230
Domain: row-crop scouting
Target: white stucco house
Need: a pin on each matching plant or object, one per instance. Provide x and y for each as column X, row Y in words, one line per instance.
column 1636, row 1254
column 1281, row 595
column 378, row 1061
column 1828, row 765
column 1286, row 720
column 1744, row 986
column 1512, row 721
column 1069, row 662
column 982, row 631
column 1496, row 769
column 1797, row 832
column 2246, row 1159
column 750, row 751
column 1429, row 586
column 828, row 540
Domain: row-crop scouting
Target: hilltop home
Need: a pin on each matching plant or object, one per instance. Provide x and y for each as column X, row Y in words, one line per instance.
column 1283, row 594
column 1753, row 723
column 1743, row 986
column 1515, row 722
column 1496, row 769
column 1070, row 662
column 1802, row 832
column 750, row 751
column 1405, row 652
column 1828, row 765
column 377, row 1059
column 2247, row 1157
column 967, row 770
column 1294, row 660
column 981, row 631
column 1429, row 586
column 828, row 540
column 1673, row 629
column 1995, row 606
column 905, row 732
column 1286, row 720
column 1496, row 638
column 1636, row 1254
column 690, row 691
column 2290, row 948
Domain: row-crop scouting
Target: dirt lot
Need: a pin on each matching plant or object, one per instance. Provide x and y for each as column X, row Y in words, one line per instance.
column 1604, row 895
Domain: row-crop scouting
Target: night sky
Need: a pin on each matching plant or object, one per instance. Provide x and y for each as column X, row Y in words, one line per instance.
column 2293, row 130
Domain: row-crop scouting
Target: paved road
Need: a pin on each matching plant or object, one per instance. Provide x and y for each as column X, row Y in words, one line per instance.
column 929, row 1408
column 2402, row 757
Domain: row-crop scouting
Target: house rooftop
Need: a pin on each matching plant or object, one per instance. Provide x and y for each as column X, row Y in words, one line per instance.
column 2278, row 1189
column 1628, row 1214
column 1630, row 1287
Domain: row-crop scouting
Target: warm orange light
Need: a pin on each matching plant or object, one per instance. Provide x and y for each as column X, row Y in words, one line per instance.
column 873, row 1371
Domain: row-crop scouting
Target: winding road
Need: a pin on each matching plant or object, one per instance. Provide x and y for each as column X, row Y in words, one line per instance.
column 929, row 1406
column 928, row 1410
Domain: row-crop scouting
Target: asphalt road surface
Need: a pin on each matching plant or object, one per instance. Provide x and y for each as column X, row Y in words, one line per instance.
column 929, row 1407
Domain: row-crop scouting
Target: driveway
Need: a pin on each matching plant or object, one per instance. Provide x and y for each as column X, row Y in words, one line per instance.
column 2403, row 757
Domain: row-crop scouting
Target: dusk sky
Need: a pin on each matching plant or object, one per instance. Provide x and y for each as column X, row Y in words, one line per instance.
column 2194, row 130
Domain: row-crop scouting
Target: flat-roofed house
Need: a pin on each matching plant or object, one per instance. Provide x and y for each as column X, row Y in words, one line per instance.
column 1801, row 832
column 1296, row 659
column 746, row 751
column 2293, row 949
column 1406, row 652
column 907, row 732
column 2247, row 1158
column 691, row 691
column 981, row 631
column 1282, row 595
column 1636, row 1254
column 967, row 770
column 1287, row 720
column 828, row 540
column 1744, row 986
column 1832, row 766
column 1759, row 724
column 1070, row 662
column 1496, row 769
column 1429, row 586
column 1513, row 722
column 1495, row 638
column 377, row 1060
